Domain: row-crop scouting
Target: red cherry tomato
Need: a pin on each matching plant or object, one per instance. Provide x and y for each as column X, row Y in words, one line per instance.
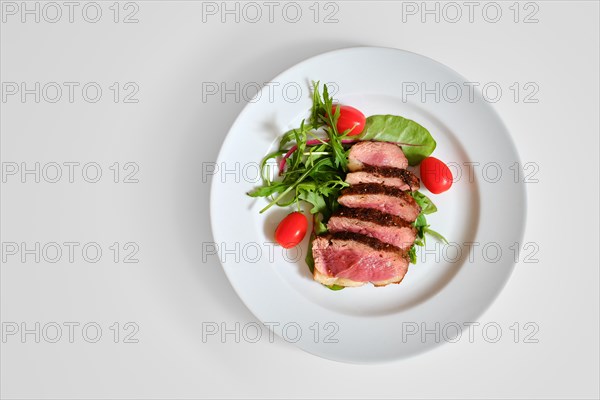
column 350, row 118
column 436, row 175
column 291, row 230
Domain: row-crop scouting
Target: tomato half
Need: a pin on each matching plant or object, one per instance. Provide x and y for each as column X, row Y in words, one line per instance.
column 291, row 230
column 436, row 175
column 350, row 118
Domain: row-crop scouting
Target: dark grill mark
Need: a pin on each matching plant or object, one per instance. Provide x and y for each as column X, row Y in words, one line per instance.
column 376, row 188
column 390, row 172
column 371, row 215
column 373, row 243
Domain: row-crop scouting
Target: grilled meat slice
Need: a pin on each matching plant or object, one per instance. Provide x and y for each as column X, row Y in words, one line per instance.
column 386, row 199
column 377, row 154
column 388, row 176
column 352, row 259
column 387, row 228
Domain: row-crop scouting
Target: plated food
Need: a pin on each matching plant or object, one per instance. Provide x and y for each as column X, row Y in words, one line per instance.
column 445, row 287
column 368, row 214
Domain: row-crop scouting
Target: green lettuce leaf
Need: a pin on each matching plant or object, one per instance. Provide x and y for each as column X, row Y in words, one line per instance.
column 393, row 128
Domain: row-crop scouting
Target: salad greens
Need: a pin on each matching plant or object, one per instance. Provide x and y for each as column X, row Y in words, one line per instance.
column 427, row 207
column 314, row 158
column 316, row 163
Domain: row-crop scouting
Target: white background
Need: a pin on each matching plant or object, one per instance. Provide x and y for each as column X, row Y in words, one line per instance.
column 169, row 53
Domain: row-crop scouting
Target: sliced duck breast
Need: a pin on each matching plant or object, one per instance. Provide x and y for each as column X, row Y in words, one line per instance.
column 377, row 154
column 386, row 199
column 387, row 228
column 352, row 259
column 388, row 176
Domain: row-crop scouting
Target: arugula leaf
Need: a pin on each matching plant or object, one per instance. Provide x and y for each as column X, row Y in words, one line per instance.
column 320, row 227
column 265, row 191
column 335, row 140
column 427, row 206
column 435, row 234
column 412, row 254
column 393, row 128
column 318, row 109
column 265, row 168
column 420, row 224
column 314, row 198
column 286, row 138
column 294, row 184
column 300, row 136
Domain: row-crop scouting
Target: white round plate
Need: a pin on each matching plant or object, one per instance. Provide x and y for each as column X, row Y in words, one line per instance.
column 482, row 215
